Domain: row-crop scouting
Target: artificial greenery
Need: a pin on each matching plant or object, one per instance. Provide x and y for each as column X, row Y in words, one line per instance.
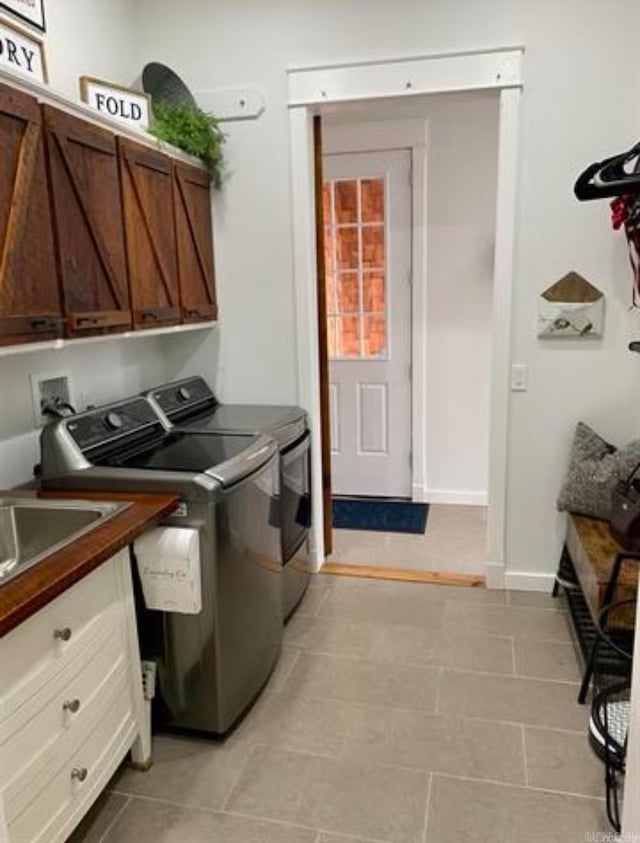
column 193, row 130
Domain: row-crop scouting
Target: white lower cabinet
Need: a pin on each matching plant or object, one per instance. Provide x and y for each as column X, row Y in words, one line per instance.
column 71, row 705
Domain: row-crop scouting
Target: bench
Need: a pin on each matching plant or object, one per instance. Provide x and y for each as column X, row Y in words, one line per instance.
column 595, row 571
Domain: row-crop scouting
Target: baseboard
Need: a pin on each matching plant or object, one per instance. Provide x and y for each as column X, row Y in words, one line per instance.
column 418, row 493
column 525, row 581
column 378, row 572
column 455, row 497
column 494, row 576
column 316, row 560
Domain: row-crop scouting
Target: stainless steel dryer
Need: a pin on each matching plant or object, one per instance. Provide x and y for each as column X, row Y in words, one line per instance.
column 213, row 664
column 191, row 406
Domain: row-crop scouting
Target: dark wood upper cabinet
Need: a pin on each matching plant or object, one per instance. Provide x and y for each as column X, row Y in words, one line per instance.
column 98, row 233
column 192, row 197
column 30, row 306
column 148, row 201
column 85, row 186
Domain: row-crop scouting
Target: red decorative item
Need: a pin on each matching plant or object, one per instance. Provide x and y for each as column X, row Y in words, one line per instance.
column 619, row 212
column 625, row 212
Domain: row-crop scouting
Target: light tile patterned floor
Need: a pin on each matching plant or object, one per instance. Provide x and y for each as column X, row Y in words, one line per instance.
column 399, row 713
column 454, row 542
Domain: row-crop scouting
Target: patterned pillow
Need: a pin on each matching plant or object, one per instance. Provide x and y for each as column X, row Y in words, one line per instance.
column 595, row 467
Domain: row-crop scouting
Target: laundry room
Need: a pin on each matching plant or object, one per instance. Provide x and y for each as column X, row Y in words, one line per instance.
column 319, row 430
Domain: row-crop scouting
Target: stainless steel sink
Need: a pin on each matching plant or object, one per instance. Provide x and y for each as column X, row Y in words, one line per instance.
column 31, row 528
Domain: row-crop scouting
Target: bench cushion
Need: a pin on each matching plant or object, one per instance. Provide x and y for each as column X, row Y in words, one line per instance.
column 593, row 551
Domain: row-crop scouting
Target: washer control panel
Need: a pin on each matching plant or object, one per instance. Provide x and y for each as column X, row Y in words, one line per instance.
column 99, row 427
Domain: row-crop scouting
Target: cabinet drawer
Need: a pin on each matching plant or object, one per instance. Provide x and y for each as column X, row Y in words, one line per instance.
column 28, row 738
column 46, row 813
column 39, row 649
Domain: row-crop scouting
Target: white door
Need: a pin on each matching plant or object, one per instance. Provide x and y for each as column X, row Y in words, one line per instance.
column 367, row 210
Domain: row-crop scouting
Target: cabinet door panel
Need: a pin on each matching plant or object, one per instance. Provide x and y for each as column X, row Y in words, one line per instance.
column 30, row 306
column 85, row 185
column 147, row 196
column 194, row 234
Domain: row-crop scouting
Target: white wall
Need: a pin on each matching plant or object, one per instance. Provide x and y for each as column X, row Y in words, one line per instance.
column 94, row 38
column 574, row 113
column 99, row 373
column 461, row 179
column 580, row 103
column 462, row 143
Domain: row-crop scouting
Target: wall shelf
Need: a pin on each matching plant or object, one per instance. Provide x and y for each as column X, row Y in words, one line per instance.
column 47, row 95
column 59, row 344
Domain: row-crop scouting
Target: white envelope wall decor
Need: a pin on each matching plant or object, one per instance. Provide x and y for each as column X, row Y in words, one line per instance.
column 572, row 307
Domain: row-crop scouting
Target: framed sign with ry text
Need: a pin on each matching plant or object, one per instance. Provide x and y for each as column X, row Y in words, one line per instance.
column 21, row 52
column 123, row 104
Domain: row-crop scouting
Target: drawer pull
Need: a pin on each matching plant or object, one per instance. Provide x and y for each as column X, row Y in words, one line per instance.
column 79, row 773
column 71, row 705
column 63, row 634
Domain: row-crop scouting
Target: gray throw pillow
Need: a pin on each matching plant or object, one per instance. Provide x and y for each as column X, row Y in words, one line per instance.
column 595, row 467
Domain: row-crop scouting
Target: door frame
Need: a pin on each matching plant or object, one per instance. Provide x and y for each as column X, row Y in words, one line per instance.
column 309, row 90
column 384, row 136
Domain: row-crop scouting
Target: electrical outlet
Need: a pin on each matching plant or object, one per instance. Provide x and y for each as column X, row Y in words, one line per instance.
column 50, row 388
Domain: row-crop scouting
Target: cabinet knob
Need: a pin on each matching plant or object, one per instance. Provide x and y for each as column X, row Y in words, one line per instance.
column 79, row 774
column 71, row 705
column 63, row 634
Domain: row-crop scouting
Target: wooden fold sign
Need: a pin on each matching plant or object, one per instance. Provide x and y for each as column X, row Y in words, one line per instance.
column 572, row 307
column 124, row 104
column 22, row 53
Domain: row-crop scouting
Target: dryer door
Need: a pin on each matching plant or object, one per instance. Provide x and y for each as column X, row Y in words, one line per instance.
column 295, row 505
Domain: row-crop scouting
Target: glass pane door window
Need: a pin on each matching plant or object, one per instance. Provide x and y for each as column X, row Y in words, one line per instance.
column 355, row 259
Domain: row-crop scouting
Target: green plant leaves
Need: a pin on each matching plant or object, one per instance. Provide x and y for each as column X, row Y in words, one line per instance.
column 194, row 131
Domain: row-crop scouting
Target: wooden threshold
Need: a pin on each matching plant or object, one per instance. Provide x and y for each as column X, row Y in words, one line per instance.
column 378, row 572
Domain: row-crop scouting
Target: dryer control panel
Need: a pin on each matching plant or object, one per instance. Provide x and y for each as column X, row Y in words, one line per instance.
column 184, row 398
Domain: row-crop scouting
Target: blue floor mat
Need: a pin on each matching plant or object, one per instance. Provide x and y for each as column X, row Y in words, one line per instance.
column 386, row 516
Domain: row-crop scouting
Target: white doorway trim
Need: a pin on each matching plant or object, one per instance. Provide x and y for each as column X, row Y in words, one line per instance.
column 378, row 136
column 309, row 90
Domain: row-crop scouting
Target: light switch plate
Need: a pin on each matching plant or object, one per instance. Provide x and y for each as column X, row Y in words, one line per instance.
column 519, row 377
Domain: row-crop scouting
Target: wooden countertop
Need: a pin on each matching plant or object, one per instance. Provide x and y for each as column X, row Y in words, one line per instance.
column 27, row 593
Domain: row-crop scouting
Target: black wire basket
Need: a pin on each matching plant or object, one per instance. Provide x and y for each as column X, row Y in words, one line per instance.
column 609, row 724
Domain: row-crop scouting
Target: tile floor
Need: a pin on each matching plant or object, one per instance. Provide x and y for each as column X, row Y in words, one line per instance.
column 454, row 542
column 399, row 713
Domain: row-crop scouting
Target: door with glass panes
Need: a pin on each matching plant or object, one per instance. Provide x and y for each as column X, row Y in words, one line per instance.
column 367, row 216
